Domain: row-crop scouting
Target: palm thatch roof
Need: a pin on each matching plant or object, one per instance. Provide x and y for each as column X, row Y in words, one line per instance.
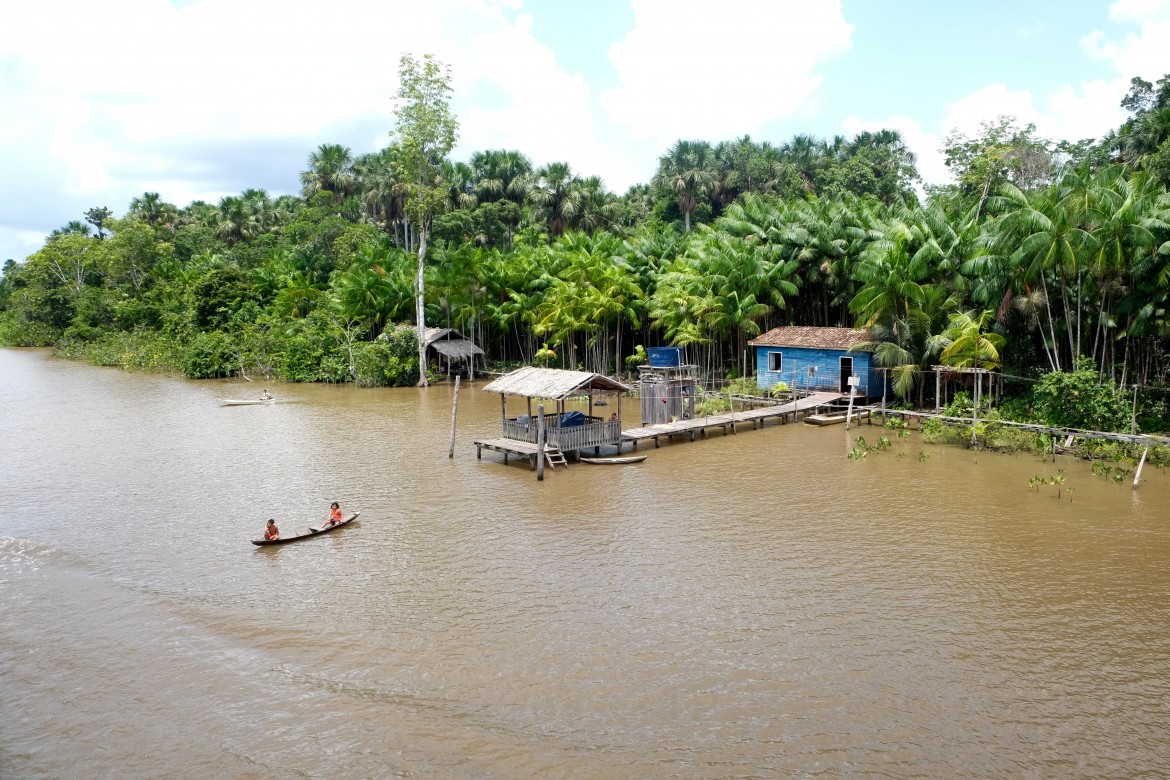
column 451, row 343
column 553, row 383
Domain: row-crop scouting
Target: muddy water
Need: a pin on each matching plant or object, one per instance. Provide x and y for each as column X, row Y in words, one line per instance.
column 755, row 605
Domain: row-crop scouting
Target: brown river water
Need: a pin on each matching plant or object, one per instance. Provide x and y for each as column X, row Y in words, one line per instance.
column 747, row 606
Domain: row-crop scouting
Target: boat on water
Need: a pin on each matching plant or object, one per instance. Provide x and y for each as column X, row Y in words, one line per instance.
column 247, row 401
column 318, row 531
column 614, row 461
column 833, row 419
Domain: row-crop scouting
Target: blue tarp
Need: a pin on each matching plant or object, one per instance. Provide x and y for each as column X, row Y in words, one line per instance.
column 568, row 419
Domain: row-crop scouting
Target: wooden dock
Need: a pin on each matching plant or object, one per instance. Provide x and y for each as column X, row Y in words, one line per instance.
column 552, row 453
column 728, row 421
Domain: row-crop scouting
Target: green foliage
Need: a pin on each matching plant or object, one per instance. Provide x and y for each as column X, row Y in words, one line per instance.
column 638, row 358
column 1046, row 265
column 210, row 355
column 391, row 360
column 1078, row 399
column 138, row 350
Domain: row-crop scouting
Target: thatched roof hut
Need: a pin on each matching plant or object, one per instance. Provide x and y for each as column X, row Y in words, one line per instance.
column 570, row 430
column 454, row 346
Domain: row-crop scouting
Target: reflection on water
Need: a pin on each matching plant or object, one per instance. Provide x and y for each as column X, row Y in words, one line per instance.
column 754, row 605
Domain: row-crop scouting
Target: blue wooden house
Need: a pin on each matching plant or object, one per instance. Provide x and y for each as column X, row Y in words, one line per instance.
column 816, row 360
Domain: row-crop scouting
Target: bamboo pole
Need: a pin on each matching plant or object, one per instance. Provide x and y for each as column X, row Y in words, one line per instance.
column 454, row 412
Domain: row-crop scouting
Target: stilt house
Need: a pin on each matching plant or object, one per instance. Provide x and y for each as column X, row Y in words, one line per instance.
column 820, row 360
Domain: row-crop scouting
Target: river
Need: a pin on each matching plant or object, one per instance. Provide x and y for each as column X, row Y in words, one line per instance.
column 746, row 606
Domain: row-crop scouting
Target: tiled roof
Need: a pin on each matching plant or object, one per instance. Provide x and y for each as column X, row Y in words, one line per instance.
column 814, row 338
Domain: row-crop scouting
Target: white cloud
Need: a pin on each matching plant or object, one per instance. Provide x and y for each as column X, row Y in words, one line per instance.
column 1067, row 114
column 106, row 101
column 689, row 69
column 1141, row 53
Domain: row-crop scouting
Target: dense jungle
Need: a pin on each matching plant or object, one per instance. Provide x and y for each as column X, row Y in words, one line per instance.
column 1046, row 260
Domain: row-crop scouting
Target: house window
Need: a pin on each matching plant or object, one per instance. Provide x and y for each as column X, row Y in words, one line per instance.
column 775, row 360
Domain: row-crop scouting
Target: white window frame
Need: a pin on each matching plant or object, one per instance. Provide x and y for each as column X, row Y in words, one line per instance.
column 775, row 361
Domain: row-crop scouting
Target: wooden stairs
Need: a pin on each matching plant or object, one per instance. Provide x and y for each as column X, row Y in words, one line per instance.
column 555, row 457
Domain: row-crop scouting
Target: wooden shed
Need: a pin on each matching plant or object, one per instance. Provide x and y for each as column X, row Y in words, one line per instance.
column 452, row 350
column 814, row 359
column 567, row 429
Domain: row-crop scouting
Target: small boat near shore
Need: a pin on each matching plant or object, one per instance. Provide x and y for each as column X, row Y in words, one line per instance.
column 833, row 419
column 320, row 531
column 247, row 401
column 617, row 461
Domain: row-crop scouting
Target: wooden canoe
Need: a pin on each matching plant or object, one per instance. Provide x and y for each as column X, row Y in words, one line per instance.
column 833, row 419
column 614, row 461
column 319, row 531
column 246, row 402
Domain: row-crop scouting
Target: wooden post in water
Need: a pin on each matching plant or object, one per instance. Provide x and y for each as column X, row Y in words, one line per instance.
column 731, row 408
column 975, row 409
column 1138, row 474
column 1133, row 417
column 540, row 443
column 454, row 411
column 852, row 391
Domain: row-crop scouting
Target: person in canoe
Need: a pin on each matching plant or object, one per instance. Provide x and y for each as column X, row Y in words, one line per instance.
column 264, row 396
column 271, row 532
column 335, row 515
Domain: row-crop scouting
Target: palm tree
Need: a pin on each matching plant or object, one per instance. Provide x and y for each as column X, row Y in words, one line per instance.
column 593, row 206
column 150, row 208
column 72, row 228
column 1040, row 234
column 500, row 174
column 376, row 290
column 330, row 170
column 687, row 170
column 555, row 196
column 460, row 181
column 968, row 344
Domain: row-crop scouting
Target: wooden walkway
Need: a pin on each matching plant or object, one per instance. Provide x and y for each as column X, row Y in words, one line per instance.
column 727, row 421
column 520, row 448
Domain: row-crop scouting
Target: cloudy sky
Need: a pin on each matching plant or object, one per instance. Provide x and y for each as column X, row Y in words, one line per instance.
column 197, row 99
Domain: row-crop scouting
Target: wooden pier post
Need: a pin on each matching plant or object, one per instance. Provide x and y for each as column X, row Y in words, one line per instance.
column 454, row 412
column 540, row 443
column 975, row 410
column 1133, row 416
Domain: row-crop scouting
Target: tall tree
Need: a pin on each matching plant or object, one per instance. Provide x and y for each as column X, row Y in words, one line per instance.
column 688, row 171
column 330, row 170
column 426, row 131
column 98, row 217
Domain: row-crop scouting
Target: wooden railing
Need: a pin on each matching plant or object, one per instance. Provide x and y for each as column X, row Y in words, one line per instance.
column 594, row 433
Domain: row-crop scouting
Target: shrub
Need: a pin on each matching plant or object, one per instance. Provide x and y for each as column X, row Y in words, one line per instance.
column 210, row 355
column 1076, row 399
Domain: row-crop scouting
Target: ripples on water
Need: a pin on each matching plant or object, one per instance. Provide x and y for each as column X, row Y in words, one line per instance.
column 745, row 606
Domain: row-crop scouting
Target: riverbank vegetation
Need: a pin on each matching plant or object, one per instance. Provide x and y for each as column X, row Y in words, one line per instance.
column 1048, row 260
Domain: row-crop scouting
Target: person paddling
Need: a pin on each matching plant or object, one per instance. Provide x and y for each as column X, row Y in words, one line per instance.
column 264, row 395
column 271, row 532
